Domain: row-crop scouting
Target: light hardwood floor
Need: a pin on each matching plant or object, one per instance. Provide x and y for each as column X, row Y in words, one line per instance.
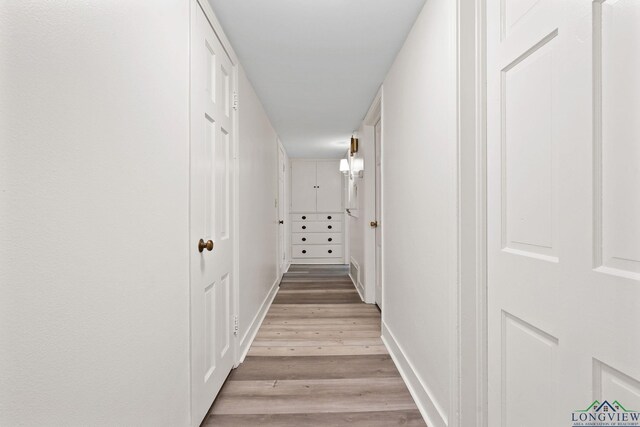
column 317, row 360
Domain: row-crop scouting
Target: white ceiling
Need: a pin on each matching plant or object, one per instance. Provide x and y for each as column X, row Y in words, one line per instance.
column 316, row 64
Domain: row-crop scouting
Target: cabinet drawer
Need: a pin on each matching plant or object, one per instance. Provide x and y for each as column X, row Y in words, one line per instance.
column 316, row 251
column 316, row 238
column 329, row 217
column 304, row 217
column 317, row 227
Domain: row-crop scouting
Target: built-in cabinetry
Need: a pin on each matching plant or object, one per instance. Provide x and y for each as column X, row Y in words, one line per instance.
column 317, row 222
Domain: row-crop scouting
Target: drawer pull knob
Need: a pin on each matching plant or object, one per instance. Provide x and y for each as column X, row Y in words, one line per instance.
column 330, row 239
column 329, row 217
column 304, row 251
column 329, row 227
column 304, row 217
column 304, row 227
column 330, row 251
column 304, row 239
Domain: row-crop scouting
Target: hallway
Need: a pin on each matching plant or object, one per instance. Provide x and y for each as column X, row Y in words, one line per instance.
column 317, row 360
column 305, row 213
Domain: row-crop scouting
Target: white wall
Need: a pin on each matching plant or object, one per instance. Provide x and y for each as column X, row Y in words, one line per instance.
column 94, row 157
column 419, row 208
column 258, row 211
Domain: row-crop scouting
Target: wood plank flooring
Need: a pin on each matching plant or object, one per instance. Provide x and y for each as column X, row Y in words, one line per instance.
column 317, row 360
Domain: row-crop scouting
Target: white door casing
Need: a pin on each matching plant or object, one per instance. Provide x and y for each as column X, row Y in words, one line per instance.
column 212, row 216
column 378, row 230
column 563, row 163
column 282, row 215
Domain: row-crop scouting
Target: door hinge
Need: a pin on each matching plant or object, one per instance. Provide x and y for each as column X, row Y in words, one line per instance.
column 235, row 325
column 235, row 101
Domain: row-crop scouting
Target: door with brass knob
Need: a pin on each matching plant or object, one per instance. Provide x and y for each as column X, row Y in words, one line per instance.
column 202, row 245
column 378, row 212
column 212, row 147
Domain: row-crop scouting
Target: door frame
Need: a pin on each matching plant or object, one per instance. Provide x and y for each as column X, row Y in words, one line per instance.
column 372, row 117
column 217, row 29
column 283, row 201
column 469, row 380
column 377, row 213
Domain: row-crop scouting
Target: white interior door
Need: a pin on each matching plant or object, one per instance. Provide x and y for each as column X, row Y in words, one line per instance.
column 329, row 186
column 563, row 209
column 212, row 352
column 378, row 238
column 303, row 186
column 283, row 222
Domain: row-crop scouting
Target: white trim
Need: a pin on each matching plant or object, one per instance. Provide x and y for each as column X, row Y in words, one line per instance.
column 224, row 41
column 313, row 159
column 382, row 205
column 375, row 110
column 346, row 233
column 329, row 261
column 431, row 411
column 356, row 280
column 359, row 289
column 252, row 330
column 283, row 201
column 373, row 116
column 287, row 265
column 217, row 28
column 470, row 371
column 190, row 374
column 236, row 209
column 287, row 191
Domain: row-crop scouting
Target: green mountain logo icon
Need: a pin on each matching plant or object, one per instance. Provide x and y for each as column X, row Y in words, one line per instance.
column 596, row 406
column 593, row 406
column 619, row 406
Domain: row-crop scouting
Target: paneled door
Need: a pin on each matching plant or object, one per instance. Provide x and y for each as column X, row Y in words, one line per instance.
column 283, row 221
column 211, row 239
column 329, row 186
column 303, row 186
column 378, row 205
column 563, row 209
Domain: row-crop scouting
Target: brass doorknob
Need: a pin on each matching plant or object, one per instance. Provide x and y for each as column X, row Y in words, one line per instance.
column 374, row 224
column 202, row 245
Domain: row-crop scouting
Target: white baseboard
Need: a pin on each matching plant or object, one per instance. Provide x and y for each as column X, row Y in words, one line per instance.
column 252, row 331
column 331, row 261
column 358, row 286
column 356, row 280
column 432, row 413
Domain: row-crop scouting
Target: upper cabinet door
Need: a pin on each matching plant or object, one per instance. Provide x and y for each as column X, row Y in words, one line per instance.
column 303, row 186
column 329, row 183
